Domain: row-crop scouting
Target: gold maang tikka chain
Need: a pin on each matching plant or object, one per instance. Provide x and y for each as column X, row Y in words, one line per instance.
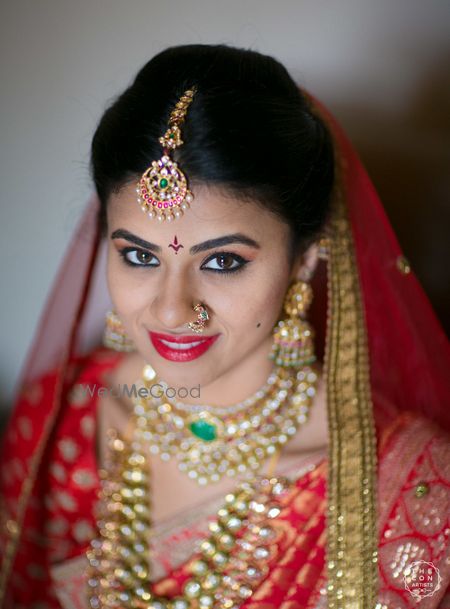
column 163, row 191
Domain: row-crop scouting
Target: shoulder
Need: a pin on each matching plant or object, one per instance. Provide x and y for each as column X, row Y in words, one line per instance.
column 55, row 395
column 413, row 450
column 90, row 375
column 95, row 364
column 409, row 441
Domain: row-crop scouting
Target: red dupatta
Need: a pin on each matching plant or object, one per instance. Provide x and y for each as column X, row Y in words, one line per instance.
column 408, row 353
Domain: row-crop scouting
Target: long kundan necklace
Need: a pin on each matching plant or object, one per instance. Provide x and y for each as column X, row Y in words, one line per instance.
column 208, row 443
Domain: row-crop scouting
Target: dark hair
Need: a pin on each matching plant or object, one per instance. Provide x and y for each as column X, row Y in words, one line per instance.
column 249, row 129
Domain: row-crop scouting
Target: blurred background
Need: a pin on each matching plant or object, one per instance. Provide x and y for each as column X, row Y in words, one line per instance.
column 382, row 67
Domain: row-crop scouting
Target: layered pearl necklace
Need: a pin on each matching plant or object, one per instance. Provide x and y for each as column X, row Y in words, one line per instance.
column 230, row 562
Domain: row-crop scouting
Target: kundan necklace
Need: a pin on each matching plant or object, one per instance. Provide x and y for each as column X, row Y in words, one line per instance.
column 209, row 446
column 231, row 561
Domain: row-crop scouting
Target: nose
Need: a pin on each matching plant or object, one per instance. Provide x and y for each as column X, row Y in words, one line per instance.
column 172, row 306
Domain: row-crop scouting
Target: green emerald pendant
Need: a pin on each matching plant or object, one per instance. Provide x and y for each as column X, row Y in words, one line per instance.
column 203, row 430
column 163, row 183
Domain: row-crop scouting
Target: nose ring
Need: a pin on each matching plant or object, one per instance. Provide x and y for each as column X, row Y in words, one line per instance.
column 202, row 317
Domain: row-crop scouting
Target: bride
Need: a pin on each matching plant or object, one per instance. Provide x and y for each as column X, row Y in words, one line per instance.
column 266, row 424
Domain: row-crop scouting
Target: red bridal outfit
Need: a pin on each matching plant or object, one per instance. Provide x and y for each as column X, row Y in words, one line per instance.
column 355, row 520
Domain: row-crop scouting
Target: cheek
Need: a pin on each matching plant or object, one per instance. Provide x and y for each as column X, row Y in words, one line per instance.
column 267, row 310
column 127, row 292
column 258, row 302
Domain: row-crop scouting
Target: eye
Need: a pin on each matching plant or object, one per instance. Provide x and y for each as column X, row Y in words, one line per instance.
column 225, row 262
column 137, row 257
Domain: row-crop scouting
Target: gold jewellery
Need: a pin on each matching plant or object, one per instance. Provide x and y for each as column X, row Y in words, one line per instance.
column 232, row 561
column 114, row 336
column 202, row 317
column 163, row 191
column 293, row 343
column 208, row 446
column 208, row 443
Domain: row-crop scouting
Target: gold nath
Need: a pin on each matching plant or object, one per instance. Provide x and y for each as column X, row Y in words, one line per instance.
column 163, row 191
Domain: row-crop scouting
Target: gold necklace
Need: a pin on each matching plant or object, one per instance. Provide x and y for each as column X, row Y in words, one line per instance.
column 229, row 565
column 208, row 447
column 231, row 561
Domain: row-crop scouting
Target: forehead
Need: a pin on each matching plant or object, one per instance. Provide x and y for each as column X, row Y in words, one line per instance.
column 213, row 212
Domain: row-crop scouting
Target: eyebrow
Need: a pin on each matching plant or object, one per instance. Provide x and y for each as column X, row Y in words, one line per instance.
column 195, row 249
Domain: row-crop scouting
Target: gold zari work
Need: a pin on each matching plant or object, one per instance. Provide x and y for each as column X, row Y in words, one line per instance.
column 352, row 520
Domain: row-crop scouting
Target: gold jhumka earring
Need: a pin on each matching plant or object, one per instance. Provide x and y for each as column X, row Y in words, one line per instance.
column 293, row 338
column 163, row 191
column 114, row 336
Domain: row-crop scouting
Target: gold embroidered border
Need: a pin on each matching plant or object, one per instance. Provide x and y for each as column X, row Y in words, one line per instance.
column 352, row 569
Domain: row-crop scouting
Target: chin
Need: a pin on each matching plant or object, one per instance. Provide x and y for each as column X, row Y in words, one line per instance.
column 185, row 374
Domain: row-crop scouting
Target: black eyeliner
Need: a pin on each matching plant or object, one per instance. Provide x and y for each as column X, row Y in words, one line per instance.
column 125, row 250
column 242, row 263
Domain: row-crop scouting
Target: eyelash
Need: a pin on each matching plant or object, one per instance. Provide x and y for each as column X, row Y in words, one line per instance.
column 242, row 261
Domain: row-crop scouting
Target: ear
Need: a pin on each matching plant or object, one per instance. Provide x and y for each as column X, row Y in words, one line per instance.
column 306, row 264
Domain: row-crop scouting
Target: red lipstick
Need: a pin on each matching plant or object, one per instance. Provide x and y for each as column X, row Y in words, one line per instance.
column 181, row 348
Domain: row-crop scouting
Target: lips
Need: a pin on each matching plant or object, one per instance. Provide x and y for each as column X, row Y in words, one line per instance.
column 184, row 348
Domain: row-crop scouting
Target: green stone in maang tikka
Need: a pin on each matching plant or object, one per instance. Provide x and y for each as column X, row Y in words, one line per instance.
column 204, row 430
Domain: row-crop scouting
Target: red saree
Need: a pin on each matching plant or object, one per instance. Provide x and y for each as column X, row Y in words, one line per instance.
column 49, row 475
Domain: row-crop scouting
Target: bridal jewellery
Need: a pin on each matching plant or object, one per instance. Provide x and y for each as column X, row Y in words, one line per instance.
column 202, row 317
column 209, row 446
column 163, row 191
column 293, row 344
column 114, row 336
column 231, row 561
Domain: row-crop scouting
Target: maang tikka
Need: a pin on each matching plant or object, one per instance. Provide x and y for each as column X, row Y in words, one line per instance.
column 293, row 337
column 163, row 191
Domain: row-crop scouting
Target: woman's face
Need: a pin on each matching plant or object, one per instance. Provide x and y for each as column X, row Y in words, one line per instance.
column 230, row 255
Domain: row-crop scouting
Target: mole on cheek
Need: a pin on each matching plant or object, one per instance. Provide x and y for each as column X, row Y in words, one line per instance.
column 258, row 324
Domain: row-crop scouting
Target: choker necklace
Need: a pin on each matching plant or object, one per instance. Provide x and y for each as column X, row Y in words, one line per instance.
column 208, row 446
column 223, row 411
column 232, row 561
